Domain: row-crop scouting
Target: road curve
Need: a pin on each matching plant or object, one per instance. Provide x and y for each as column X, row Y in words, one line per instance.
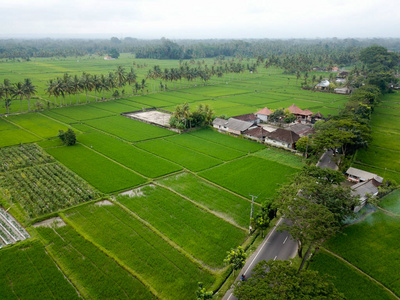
column 276, row 245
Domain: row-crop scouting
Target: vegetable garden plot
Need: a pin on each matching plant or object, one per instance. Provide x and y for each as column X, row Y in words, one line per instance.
column 207, row 147
column 372, row 245
column 229, row 141
column 347, row 280
column 38, row 124
column 198, row 232
column 46, row 188
column 128, row 129
column 82, row 112
column 250, row 175
column 167, row 270
column 190, row 159
column 225, row 204
column 96, row 275
column 27, row 272
column 128, row 155
column 99, row 171
column 22, row 156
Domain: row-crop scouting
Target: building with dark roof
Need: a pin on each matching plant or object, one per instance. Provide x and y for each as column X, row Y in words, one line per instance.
column 282, row 138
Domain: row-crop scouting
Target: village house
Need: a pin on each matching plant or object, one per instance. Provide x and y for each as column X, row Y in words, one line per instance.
column 234, row 126
column 323, row 85
column 365, row 190
column 357, row 175
column 248, row 118
column 258, row 133
column 342, row 90
column 282, row 138
column 301, row 115
column 302, row 129
column 263, row 114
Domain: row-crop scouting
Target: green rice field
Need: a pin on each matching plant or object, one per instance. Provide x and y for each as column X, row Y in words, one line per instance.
column 391, row 202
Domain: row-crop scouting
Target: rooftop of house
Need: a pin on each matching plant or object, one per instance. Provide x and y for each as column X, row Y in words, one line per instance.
column 265, row 111
column 363, row 175
column 301, row 129
column 323, row 83
column 219, row 122
column 363, row 189
column 257, row 132
column 246, row 117
column 238, row 125
column 295, row 110
column 283, row 135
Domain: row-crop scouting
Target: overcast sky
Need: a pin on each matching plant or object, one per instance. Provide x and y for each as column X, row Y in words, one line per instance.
column 177, row 19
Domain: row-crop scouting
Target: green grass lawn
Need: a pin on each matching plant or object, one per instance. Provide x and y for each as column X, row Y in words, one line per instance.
column 128, row 129
column 373, row 246
column 250, row 175
column 96, row 275
column 167, row 270
column 224, row 203
column 27, row 272
column 99, row 171
column 199, row 232
column 347, row 280
column 190, row 159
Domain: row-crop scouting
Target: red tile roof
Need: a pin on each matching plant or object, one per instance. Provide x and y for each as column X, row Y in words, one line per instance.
column 265, row 111
column 308, row 112
column 295, row 110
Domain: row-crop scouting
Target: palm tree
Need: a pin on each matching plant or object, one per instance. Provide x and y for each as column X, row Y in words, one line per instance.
column 87, row 84
column 67, row 86
column 18, row 92
column 29, row 90
column 7, row 90
column 96, row 85
column 121, row 76
column 103, row 84
column 131, row 78
column 111, row 81
column 76, row 87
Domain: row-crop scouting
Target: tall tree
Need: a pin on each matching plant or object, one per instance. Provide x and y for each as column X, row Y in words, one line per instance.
column 236, row 258
column 121, row 76
column 7, row 89
column 87, row 84
column 29, row 90
column 18, row 92
column 280, row 280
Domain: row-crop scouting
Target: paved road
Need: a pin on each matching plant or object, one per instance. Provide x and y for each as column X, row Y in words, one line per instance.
column 326, row 161
column 276, row 245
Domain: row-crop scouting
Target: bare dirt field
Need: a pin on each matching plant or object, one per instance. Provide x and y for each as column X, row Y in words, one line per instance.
column 153, row 116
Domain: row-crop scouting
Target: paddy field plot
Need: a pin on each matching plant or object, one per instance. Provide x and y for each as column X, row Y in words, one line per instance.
column 82, row 112
column 13, row 135
column 216, row 91
column 353, row 284
column 282, row 157
column 380, row 157
column 372, row 245
column 27, row 272
column 114, row 106
column 229, row 141
column 257, row 176
column 128, row 129
column 391, row 202
column 202, row 234
column 38, row 124
column 100, row 172
column 169, row 272
column 207, row 147
column 128, row 155
column 55, row 116
column 227, row 205
column 190, row 159
column 96, row 275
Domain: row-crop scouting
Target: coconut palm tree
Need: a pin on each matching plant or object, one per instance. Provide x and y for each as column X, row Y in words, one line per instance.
column 111, row 81
column 7, row 89
column 29, row 90
column 87, row 84
column 18, row 92
column 67, row 86
column 121, row 76
column 103, row 84
column 96, row 85
column 131, row 78
column 76, row 87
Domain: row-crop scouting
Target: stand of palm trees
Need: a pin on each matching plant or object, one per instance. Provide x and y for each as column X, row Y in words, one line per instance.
column 19, row 90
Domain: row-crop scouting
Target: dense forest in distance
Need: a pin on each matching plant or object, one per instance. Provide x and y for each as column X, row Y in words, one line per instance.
column 333, row 50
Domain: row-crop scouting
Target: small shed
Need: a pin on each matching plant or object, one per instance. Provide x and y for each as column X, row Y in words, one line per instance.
column 219, row 123
column 323, row 85
column 342, row 90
